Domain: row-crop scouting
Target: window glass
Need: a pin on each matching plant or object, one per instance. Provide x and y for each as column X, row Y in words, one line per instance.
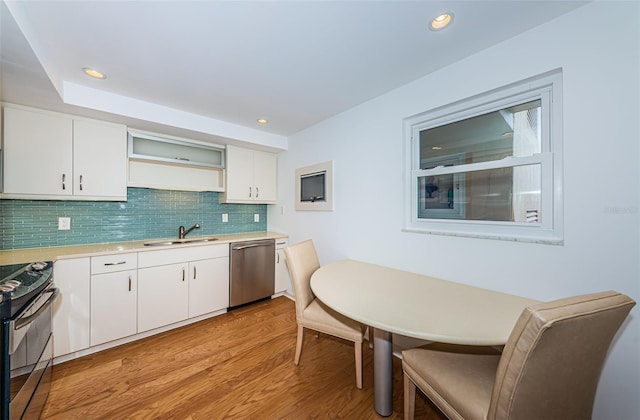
column 489, row 166
column 510, row 194
column 513, row 131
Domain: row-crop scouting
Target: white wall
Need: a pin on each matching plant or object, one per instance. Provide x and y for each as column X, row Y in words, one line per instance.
column 601, row 179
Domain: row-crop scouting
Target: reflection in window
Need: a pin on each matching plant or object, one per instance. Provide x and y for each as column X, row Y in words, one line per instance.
column 490, row 165
column 503, row 194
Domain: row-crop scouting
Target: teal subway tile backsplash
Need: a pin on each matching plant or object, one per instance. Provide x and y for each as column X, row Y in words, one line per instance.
column 147, row 214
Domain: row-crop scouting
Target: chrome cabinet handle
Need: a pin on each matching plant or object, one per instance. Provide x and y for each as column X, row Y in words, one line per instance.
column 257, row 192
column 194, row 272
column 249, row 192
column 80, row 182
column 115, row 263
column 64, row 187
column 183, row 274
column 277, row 258
column 129, row 283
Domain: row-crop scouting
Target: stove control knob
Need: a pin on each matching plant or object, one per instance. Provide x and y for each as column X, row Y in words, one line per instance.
column 38, row 266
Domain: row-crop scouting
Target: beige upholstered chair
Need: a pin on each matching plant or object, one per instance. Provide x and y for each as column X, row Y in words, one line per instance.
column 302, row 262
column 549, row 368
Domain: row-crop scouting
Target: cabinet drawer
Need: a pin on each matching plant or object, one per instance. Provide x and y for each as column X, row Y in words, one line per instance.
column 179, row 255
column 115, row 262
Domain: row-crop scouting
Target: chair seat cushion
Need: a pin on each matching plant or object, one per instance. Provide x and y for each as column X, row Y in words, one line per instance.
column 320, row 317
column 458, row 379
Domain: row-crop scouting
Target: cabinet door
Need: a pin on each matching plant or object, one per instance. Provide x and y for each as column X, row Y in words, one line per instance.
column 71, row 309
column 37, row 153
column 113, row 306
column 163, row 295
column 208, row 286
column 100, row 159
column 239, row 177
column 282, row 272
column 265, row 176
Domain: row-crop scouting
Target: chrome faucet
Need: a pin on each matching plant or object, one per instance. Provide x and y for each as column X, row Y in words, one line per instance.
column 182, row 232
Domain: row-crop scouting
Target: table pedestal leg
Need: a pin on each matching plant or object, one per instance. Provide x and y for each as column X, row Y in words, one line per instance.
column 383, row 372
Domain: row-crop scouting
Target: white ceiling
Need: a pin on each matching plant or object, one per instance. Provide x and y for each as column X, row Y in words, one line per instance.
column 209, row 69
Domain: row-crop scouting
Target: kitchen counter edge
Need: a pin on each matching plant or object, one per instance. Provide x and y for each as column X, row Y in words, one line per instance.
column 18, row 256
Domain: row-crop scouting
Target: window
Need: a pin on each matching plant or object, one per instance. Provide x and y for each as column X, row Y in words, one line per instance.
column 489, row 166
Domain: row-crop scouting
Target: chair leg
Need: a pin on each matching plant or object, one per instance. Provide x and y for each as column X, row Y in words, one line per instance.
column 299, row 344
column 358, row 352
column 409, row 398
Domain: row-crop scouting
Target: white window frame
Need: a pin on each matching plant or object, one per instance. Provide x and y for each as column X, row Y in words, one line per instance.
column 548, row 89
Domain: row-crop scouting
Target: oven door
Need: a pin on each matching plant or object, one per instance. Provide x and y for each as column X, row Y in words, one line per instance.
column 30, row 354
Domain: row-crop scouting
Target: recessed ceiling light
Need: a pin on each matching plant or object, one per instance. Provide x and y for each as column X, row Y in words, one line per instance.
column 441, row 21
column 94, row 73
column 263, row 121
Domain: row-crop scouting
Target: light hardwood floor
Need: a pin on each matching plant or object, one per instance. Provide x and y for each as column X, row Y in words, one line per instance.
column 237, row 365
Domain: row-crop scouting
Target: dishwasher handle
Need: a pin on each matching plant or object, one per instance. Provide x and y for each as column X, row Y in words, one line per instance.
column 241, row 247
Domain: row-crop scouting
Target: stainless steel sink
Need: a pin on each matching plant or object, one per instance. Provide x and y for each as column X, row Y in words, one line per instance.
column 194, row 240
column 179, row 241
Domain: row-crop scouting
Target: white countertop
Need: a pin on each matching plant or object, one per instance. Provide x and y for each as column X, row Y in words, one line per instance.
column 418, row 306
column 18, row 256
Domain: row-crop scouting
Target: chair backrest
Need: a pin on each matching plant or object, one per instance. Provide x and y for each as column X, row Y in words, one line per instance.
column 551, row 364
column 302, row 262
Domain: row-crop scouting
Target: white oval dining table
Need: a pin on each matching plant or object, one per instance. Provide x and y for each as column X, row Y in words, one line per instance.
column 393, row 301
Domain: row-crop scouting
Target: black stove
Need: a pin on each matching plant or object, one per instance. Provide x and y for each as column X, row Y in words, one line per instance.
column 27, row 294
column 22, row 282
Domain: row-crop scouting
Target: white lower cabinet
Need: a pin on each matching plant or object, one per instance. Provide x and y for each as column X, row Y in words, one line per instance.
column 113, row 297
column 208, row 286
column 177, row 284
column 163, row 296
column 114, row 301
column 110, row 297
column 282, row 272
column 71, row 308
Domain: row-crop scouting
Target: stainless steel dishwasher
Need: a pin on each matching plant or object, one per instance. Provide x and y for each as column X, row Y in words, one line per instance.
column 252, row 271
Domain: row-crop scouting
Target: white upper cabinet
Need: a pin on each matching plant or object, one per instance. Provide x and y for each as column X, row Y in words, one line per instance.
column 37, row 153
column 100, row 159
column 171, row 163
column 47, row 155
column 251, row 176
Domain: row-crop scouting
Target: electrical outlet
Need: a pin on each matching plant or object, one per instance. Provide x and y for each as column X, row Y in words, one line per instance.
column 64, row 223
column 225, row 218
column 256, row 218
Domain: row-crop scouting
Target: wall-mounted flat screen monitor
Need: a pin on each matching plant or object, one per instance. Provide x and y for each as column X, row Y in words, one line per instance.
column 312, row 187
